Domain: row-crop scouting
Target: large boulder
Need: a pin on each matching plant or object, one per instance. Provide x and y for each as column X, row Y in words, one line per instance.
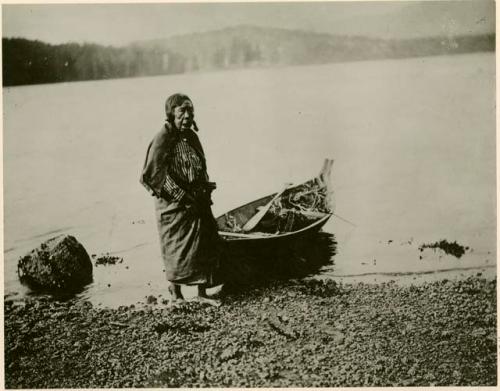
column 59, row 263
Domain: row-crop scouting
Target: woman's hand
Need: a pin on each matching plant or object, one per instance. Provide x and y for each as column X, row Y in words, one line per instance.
column 189, row 201
column 193, row 203
column 199, row 198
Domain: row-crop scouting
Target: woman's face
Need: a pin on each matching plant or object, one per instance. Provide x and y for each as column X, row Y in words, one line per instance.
column 184, row 115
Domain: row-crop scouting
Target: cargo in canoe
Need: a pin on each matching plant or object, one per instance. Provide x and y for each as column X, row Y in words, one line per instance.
column 297, row 212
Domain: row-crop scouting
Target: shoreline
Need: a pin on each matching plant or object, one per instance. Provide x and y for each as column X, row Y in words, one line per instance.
column 296, row 333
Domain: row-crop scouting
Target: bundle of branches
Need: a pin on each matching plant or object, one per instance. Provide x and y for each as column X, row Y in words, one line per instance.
column 309, row 197
column 294, row 210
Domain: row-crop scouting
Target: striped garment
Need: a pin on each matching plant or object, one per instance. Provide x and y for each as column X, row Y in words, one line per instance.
column 186, row 166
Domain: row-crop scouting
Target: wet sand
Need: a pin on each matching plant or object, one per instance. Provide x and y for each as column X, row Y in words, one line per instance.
column 300, row 332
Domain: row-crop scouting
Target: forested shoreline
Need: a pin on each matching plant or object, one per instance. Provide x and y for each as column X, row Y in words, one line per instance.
column 35, row 62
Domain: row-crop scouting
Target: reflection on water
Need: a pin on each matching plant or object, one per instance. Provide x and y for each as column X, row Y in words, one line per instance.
column 250, row 264
column 35, row 289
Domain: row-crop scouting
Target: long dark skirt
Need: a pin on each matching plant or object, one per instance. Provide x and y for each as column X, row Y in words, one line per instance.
column 190, row 244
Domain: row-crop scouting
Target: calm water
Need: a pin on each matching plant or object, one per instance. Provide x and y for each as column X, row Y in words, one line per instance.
column 413, row 143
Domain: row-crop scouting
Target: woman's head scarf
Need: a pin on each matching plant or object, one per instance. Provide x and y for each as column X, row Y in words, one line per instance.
column 172, row 102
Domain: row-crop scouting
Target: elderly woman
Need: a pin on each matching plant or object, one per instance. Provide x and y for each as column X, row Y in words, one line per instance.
column 175, row 172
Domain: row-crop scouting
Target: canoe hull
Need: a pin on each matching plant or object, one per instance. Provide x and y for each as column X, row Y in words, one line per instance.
column 241, row 215
column 276, row 239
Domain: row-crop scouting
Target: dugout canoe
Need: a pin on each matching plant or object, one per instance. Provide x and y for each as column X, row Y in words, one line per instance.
column 312, row 220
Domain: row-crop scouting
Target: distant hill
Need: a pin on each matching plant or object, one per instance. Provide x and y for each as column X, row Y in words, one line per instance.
column 34, row 62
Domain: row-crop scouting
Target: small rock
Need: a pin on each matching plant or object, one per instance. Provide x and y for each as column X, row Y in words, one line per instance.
column 108, row 260
column 229, row 352
column 479, row 332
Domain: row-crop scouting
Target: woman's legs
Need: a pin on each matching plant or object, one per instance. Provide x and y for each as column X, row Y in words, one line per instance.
column 203, row 297
column 202, row 290
column 175, row 291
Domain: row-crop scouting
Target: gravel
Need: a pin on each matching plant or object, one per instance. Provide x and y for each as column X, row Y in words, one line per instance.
column 298, row 333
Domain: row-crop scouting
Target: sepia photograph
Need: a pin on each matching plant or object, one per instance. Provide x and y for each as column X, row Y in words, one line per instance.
column 249, row 194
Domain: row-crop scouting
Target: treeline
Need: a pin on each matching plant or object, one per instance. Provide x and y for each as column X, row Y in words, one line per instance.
column 35, row 62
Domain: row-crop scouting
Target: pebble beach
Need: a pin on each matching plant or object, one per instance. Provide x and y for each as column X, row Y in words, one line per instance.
column 294, row 333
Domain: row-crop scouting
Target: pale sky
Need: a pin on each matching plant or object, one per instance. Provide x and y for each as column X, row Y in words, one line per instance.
column 119, row 24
